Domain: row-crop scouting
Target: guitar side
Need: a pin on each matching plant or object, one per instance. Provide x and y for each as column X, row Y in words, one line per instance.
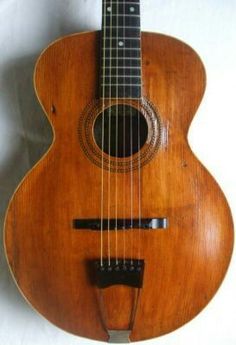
column 184, row 265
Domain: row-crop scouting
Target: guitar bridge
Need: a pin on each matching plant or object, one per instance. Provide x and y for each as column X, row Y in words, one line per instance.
column 120, row 224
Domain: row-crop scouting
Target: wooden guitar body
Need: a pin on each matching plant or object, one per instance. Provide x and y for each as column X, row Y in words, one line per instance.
column 184, row 263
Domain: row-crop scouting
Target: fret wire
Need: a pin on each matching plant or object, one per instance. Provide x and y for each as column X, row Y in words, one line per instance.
column 123, row 27
column 121, row 2
column 126, row 2
column 120, row 48
column 134, row 85
column 121, row 15
column 132, row 22
column 122, row 97
column 126, row 38
column 123, row 67
column 126, row 58
column 121, row 76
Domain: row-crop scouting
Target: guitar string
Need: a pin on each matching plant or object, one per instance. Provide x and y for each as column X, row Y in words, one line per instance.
column 131, row 173
column 103, row 123
column 117, row 134
column 109, row 140
column 139, row 154
column 124, row 143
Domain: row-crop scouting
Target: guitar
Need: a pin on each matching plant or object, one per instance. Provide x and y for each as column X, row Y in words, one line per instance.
column 119, row 233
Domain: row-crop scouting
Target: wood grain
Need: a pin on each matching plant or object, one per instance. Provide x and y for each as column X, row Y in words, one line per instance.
column 184, row 265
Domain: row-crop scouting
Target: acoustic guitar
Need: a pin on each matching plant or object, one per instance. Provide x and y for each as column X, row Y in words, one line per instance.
column 119, row 233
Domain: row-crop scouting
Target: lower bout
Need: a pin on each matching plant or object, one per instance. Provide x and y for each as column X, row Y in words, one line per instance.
column 177, row 284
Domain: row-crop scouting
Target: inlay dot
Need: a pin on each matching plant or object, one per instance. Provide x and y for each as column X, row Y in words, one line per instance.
column 132, row 9
column 109, row 9
column 121, row 44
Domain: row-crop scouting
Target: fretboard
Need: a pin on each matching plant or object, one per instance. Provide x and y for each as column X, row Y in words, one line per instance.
column 121, row 49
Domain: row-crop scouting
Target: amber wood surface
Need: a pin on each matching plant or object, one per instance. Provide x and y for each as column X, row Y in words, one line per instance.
column 184, row 265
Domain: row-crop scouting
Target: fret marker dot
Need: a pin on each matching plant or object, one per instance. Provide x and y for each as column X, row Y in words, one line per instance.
column 132, row 9
column 109, row 9
column 121, row 44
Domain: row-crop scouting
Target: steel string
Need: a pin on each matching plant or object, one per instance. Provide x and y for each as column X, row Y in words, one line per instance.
column 109, row 140
column 131, row 175
column 124, row 143
column 103, row 109
column 139, row 159
column 117, row 132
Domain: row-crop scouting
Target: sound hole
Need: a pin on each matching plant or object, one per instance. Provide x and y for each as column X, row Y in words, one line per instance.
column 123, row 126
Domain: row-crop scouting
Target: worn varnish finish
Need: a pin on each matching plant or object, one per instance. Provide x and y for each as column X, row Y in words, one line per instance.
column 184, row 265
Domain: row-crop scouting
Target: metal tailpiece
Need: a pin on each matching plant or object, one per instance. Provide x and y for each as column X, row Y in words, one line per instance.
column 118, row 337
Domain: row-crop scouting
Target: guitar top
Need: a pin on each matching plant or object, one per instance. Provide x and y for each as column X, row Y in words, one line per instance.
column 119, row 233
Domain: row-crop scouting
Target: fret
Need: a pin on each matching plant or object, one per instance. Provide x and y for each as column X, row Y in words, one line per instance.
column 125, row 86
column 129, row 32
column 122, row 91
column 121, row 1
column 123, row 27
column 121, row 59
column 116, row 63
column 119, row 44
column 124, row 38
column 121, row 49
column 124, row 67
column 131, row 2
column 123, row 54
column 115, row 21
column 123, row 80
column 119, row 63
column 118, row 76
column 121, row 15
column 119, row 84
column 119, row 71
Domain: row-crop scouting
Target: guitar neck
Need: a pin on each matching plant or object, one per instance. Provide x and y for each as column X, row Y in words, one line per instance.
column 121, row 50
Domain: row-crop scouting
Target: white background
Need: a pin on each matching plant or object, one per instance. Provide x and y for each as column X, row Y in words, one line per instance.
column 26, row 27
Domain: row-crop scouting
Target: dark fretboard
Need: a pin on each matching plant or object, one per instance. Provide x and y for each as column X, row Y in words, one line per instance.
column 121, row 49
